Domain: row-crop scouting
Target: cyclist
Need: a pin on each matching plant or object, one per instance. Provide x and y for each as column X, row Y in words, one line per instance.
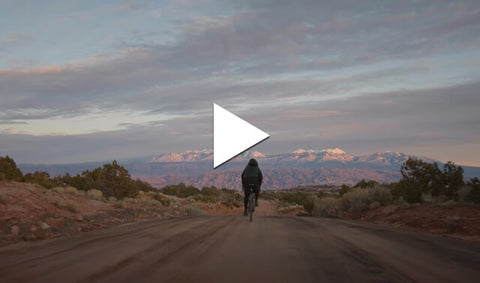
column 251, row 175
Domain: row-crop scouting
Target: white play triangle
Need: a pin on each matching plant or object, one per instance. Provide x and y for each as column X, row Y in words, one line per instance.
column 232, row 135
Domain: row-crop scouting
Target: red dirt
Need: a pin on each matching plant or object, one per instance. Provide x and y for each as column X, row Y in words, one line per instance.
column 31, row 212
column 449, row 218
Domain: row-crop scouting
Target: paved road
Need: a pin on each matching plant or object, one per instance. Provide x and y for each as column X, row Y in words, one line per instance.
column 231, row 249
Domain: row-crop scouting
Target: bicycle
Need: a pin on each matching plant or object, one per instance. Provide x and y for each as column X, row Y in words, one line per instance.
column 251, row 200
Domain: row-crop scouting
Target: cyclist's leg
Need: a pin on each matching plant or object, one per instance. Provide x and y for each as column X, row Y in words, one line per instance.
column 257, row 193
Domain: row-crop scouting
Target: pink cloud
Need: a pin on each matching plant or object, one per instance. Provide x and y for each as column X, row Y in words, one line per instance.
column 36, row 70
column 298, row 114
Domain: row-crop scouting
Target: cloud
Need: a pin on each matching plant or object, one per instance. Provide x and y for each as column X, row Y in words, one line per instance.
column 412, row 121
column 129, row 6
column 218, row 56
column 358, row 75
column 10, row 41
column 15, row 38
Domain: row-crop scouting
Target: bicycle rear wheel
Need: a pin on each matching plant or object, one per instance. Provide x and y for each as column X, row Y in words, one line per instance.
column 251, row 205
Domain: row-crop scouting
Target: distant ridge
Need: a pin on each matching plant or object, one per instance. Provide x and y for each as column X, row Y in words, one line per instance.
column 332, row 166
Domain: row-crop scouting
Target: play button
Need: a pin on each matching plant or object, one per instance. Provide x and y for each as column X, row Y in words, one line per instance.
column 232, row 135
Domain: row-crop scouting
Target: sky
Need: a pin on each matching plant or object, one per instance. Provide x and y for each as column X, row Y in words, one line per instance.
column 96, row 80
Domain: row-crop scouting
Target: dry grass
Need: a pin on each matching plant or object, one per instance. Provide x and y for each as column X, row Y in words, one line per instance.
column 94, row 194
column 194, row 211
column 327, row 206
column 66, row 204
column 356, row 200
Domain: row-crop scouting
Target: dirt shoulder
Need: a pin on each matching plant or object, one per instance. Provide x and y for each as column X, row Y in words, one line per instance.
column 30, row 212
column 460, row 220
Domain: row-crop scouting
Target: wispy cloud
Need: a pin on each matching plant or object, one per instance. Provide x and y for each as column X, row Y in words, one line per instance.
column 16, row 37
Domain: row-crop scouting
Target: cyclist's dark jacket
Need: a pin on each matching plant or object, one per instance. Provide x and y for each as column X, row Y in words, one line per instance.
column 252, row 174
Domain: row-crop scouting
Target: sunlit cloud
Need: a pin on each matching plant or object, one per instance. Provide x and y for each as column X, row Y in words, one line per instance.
column 88, row 123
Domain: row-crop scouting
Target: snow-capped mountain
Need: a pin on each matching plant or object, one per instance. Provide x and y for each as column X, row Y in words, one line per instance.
column 301, row 158
column 335, row 154
column 390, row 158
column 201, row 155
column 186, row 156
column 299, row 155
column 386, row 158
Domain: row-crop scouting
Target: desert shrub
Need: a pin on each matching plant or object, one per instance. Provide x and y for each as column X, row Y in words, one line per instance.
column 344, row 189
column 268, row 195
column 181, row 190
column 207, row 198
column 293, row 198
column 380, row 194
column 474, row 194
column 95, row 194
column 362, row 199
column 451, row 181
column 39, row 177
column 355, row 200
column 363, row 184
column 68, row 190
column 307, row 200
column 164, row 200
column 309, row 204
column 68, row 205
column 390, row 208
column 288, row 208
column 111, row 179
column 419, row 177
column 194, row 211
column 120, row 204
column 327, row 206
column 374, row 205
column 73, row 191
column 59, row 189
column 210, row 191
column 208, row 195
column 9, row 170
column 148, row 202
column 230, row 198
column 427, row 197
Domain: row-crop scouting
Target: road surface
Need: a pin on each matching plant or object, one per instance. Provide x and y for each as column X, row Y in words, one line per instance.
column 231, row 249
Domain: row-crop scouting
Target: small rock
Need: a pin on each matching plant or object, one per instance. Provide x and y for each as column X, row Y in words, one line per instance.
column 33, row 228
column 55, row 221
column 15, row 230
column 29, row 237
column 44, row 225
column 79, row 218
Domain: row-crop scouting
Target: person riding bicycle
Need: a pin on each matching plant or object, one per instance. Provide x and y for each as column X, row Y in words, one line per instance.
column 251, row 175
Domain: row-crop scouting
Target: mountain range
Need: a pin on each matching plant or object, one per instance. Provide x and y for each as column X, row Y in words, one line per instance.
column 299, row 168
column 307, row 156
